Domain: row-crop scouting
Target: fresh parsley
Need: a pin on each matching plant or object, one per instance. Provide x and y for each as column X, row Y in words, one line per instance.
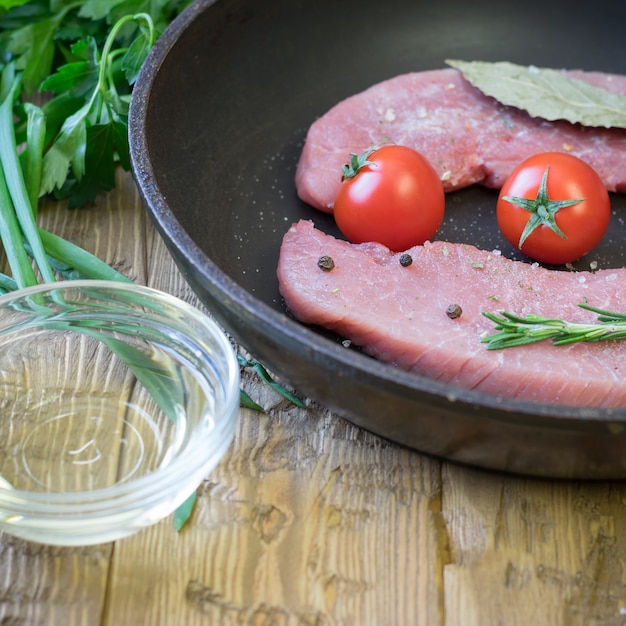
column 85, row 55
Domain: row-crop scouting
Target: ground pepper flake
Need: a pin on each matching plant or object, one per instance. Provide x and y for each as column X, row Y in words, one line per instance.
column 454, row 311
column 326, row 263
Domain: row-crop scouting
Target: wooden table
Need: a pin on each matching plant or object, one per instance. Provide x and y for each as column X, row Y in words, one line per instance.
column 310, row 521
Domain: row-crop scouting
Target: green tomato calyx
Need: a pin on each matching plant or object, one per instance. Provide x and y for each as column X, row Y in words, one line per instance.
column 356, row 164
column 542, row 210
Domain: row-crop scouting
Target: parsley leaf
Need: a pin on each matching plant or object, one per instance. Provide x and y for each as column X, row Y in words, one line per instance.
column 136, row 55
column 99, row 162
column 98, row 9
column 79, row 77
column 93, row 139
column 67, row 150
column 9, row 4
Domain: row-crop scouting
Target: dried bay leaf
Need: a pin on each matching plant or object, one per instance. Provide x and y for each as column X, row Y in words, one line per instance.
column 545, row 93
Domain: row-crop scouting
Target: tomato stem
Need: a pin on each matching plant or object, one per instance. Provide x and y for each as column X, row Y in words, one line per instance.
column 357, row 163
column 542, row 209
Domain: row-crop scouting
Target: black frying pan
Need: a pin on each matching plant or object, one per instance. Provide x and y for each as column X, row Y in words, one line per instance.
column 218, row 118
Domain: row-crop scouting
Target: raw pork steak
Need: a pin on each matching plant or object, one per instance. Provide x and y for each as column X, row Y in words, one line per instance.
column 468, row 137
column 398, row 314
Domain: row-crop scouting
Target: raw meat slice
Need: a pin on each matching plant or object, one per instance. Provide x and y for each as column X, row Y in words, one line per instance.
column 398, row 314
column 468, row 137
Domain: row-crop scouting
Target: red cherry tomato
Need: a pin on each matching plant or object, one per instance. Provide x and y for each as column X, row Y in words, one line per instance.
column 554, row 208
column 391, row 195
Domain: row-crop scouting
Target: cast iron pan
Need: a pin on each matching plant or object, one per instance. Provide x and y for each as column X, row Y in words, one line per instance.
column 217, row 122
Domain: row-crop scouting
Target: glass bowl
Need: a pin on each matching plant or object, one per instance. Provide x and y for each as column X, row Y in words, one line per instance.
column 116, row 401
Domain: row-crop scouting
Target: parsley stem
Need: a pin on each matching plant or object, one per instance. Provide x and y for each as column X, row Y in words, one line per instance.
column 107, row 55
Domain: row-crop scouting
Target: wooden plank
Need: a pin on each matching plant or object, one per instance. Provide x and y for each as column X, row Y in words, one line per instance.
column 50, row 586
column 527, row 551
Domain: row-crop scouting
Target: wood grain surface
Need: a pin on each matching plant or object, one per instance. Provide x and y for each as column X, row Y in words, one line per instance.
column 310, row 521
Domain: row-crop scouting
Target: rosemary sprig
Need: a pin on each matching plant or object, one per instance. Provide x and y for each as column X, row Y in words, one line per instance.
column 514, row 330
column 264, row 375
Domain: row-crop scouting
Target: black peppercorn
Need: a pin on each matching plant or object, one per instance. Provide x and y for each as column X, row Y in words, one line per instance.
column 406, row 259
column 454, row 311
column 325, row 263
